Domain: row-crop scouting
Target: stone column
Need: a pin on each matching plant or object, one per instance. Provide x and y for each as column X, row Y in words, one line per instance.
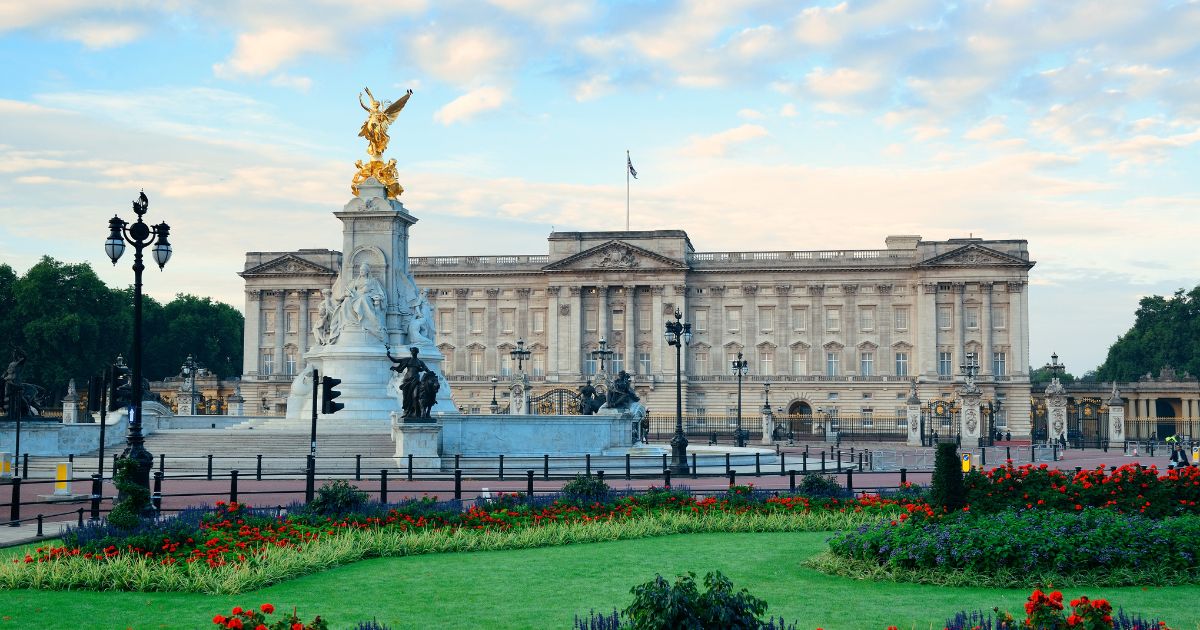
column 523, row 327
column 303, row 333
column 280, row 331
column 462, row 319
column 253, row 335
column 631, row 329
column 925, row 319
column 850, row 325
column 1056, row 410
column 603, row 328
column 70, row 405
column 656, row 314
column 575, row 334
column 913, row 409
column 985, row 362
column 968, row 399
column 491, row 333
column 960, row 312
column 556, row 345
column 1116, row 419
column 1018, row 335
column 768, row 426
column 237, row 403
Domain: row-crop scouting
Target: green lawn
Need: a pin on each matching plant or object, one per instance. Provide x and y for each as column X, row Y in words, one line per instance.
column 545, row 587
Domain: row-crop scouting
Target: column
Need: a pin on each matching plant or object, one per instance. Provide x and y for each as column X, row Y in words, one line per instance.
column 253, row 339
column 603, row 329
column 925, row 319
column 1018, row 334
column 960, row 312
column 522, row 324
column 913, row 415
column 462, row 322
column 303, row 333
column 631, row 328
column 985, row 362
column 850, row 326
column 491, row 333
column 280, row 331
column 656, row 355
column 574, row 334
column 553, row 365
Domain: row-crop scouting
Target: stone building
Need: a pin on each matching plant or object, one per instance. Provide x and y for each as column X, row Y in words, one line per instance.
column 838, row 332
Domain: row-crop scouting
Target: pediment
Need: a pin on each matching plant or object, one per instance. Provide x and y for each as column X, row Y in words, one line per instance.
column 288, row 265
column 974, row 255
column 616, row 256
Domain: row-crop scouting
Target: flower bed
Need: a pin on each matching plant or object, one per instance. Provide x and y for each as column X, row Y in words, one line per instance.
column 1129, row 489
column 229, row 549
column 1011, row 548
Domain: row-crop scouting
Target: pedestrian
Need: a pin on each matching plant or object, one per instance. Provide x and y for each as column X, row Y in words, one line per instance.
column 1178, row 457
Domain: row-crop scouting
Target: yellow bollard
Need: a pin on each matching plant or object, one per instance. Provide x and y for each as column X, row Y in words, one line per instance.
column 1196, row 454
column 966, row 462
column 63, row 472
column 6, row 465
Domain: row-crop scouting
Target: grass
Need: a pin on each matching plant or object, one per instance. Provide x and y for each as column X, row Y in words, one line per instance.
column 545, row 587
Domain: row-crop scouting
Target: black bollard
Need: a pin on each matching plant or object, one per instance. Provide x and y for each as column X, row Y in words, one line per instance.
column 410, row 467
column 233, row 489
column 14, row 511
column 627, row 471
column 156, row 498
column 357, row 466
column 383, row 485
column 39, row 524
column 501, row 466
column 903, row 476
column 97, row 490
column 162, row 461
column 732, row 478
column 457, row 484
column 757, row 465
column 529, row 483
column 310, row 478
column 667, row 477
column 850, row 480
column 587, row 464
column 782, row 457
column 258, row 468
column 822, row 461
column 546, row 466
column 726, row 463
column 694, row 467
column 791, row 481
column 210, row 466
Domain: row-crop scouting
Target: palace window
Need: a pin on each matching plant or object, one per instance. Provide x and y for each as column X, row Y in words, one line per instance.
column 268, row 362
column 799, row 363
column 866, row 318
column 733, row 318
column 944, row 314
column 617, row 363
column 901, row 317
column 643, row 318
column 700, row 363
column 539, row 363
column 766, row 318
column 290, row 366
column 831, row 363
column 618, row 322
column 591, row 319
column 508, row 320
column 972, row 314
column 590, row 365
column 766, row 362
column 901, row 364
column 506, row 363
column 446, row 322
column 833, row 319
column 999, row 317
column 476, row 363
column 701, row 317
column 799, row 319
column 476, row 320
column 539, row 321
column 866, row 364
column 868, row 417
column 945, row 363
column 268, row 322
column 999, row 360
column 292, row 317
column 643, row 362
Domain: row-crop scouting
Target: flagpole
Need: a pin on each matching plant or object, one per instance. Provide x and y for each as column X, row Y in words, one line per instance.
column 627, row 162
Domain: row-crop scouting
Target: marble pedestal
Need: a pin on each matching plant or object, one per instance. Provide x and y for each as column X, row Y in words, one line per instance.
column 419, row 439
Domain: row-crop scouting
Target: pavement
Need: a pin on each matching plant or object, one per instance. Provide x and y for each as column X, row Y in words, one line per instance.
column 281, row 490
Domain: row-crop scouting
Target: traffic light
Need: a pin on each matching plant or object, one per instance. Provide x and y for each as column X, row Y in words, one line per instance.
column 328, row 393
column 119, row 388
column 95, row 393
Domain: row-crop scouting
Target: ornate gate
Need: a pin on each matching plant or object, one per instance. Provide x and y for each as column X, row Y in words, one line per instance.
column 941, row 418
column 556, row 402
column 1087, row 423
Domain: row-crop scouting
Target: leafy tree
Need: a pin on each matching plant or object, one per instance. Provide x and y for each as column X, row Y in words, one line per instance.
column 1042, row 375
column 948, row 490
column 209, row 331
column 1166, row 332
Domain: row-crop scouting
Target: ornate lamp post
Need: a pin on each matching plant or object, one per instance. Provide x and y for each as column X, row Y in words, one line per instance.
column 189, row 370
column 495, row 406
column 766, row 397
column 140, row 235
column 602, row 354
column 740, row 367
column 678, row 334
column 520, row 355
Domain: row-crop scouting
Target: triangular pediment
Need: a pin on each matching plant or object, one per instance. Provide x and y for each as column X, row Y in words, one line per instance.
column 974, row 255
column 288, row 265
column 616, row 256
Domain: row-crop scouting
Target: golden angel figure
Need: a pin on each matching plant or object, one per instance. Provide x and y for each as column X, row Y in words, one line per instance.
column 379, row 116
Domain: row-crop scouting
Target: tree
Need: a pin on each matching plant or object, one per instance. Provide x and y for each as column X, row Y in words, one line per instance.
column 1166, row 332
column 1042, row 375
column 209, row 331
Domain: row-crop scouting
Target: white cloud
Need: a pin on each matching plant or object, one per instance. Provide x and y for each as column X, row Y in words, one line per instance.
column 555, row 13
column 261, row 52
column 464, row 58
column 593, row 88
column 470, row 105
column 990, row 129
column 788, row 111
column 751, row 114
column 841, row 82
column 302, row 84
column 718, row 144
column 100, row 35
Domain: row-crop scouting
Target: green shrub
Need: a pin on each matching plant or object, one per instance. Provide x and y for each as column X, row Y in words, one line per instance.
column 948, row 491
column 336, row 498
column 815, row 485
column 133, row 499
column 585, row 489
column 659, row 605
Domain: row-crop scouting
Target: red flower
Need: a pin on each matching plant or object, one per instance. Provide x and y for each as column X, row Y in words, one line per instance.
column 219, row 619
column 235, row 624
column 237, row 610
column 267, row 608
column 297, row 626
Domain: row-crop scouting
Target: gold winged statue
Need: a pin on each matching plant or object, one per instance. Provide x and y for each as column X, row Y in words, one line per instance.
column 374, row 129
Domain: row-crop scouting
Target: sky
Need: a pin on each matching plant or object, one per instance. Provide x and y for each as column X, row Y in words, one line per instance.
column 753, row 125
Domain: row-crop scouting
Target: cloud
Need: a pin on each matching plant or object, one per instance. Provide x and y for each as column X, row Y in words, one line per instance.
column 593, row 88
column 464, row 58
column 470, row 105
column 990, row 129
column 261, row 52
column 718, row 144
column 751, row 114
column 553, row 13
column 301, row 84
column 841, row 82
column 100, row 35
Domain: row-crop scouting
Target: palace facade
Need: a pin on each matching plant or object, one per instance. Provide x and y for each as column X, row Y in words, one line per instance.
column 835, row 332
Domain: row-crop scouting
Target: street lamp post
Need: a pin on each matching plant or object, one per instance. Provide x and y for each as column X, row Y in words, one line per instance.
column 521, row 355
column 679, row 334
column 603, row 355
column 140, row 235
column 189, row 370
column 740, row 367
column 495, row 406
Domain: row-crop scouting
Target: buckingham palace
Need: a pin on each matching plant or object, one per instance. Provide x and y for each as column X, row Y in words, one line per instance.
column 825, row 332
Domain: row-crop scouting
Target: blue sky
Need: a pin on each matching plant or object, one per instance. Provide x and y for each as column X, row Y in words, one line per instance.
column 754, row 124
